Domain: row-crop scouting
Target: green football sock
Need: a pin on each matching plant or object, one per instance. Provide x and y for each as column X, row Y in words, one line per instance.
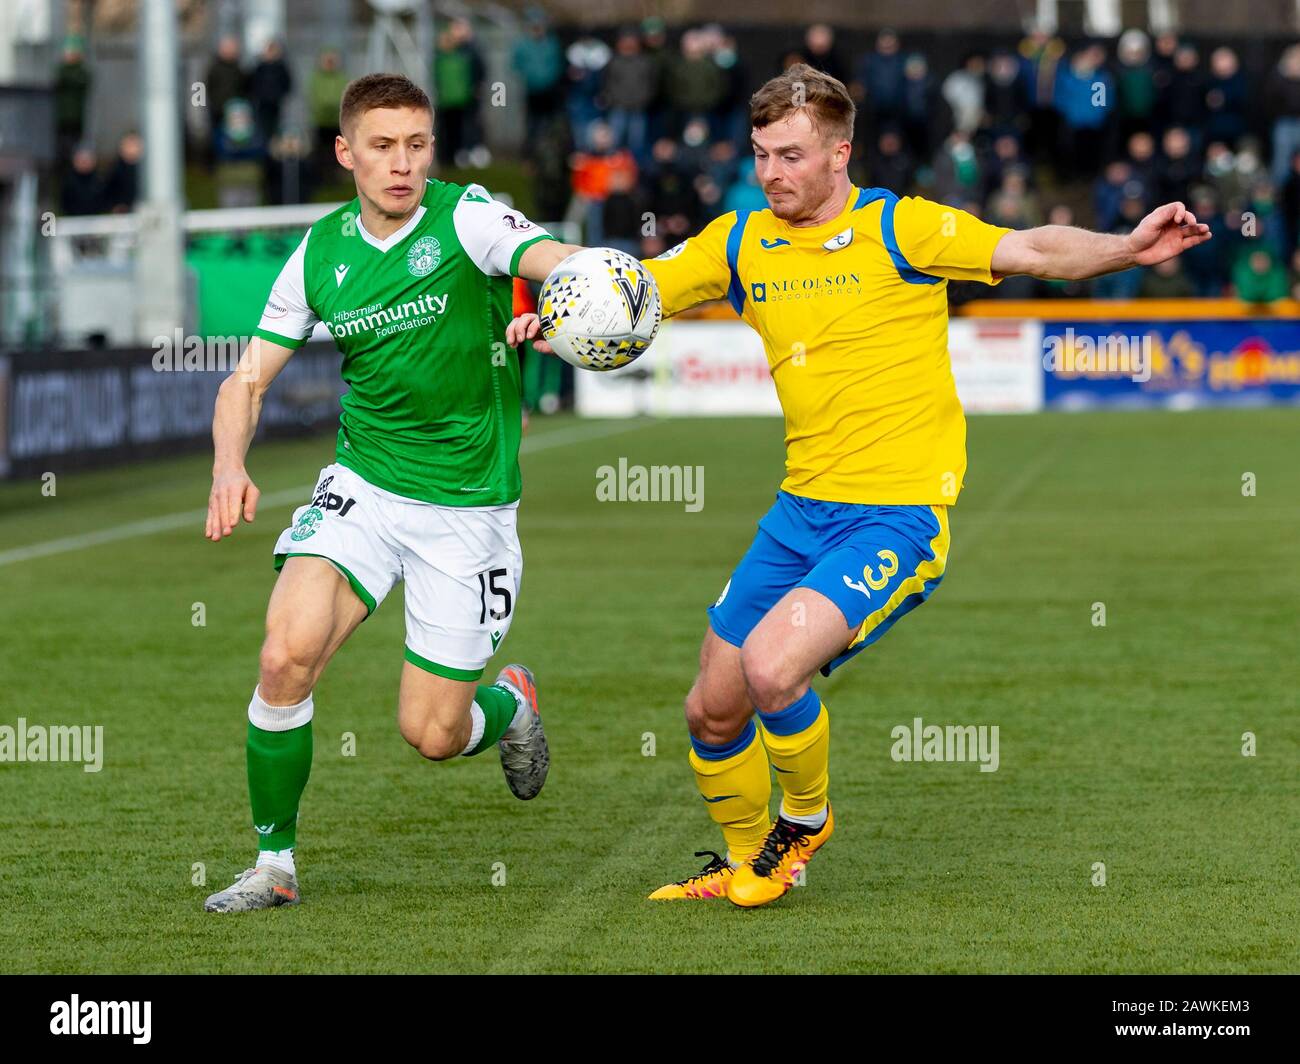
column 498, row 707
column 279, row 763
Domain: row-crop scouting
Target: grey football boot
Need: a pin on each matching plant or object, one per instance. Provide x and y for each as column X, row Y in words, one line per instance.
column 256, row 888
column 526, row 760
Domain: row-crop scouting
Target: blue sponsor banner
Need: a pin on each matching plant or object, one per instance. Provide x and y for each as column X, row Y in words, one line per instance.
column 83, row 408
column 1185, row 363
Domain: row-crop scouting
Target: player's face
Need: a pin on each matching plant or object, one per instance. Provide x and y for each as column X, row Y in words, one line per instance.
column 797, row 167
column 389, row 153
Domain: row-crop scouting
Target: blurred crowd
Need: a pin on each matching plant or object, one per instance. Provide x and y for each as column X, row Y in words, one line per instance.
column 1029, row 134
column 251, row 152
column 89, row 185
column 644, row 138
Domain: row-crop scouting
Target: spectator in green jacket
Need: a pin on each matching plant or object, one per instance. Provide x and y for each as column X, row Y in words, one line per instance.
column 71, row 87
column 696, row 84
column 1135, row 83
column 457, row 76
column 1259, row 278
column 324, row 92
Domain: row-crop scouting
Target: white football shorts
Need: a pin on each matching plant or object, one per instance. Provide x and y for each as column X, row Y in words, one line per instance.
column 462, row 565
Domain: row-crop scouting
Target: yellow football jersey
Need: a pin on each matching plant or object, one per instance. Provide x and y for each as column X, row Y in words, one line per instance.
column 854, row 318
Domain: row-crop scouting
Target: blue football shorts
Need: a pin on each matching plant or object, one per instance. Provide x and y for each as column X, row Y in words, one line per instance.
column 876, row 563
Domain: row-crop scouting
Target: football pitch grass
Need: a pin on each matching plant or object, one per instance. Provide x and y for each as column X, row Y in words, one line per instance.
column 1119, row 744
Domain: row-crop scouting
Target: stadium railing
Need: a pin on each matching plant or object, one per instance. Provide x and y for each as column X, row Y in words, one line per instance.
column 92, row 263
column 93, row 269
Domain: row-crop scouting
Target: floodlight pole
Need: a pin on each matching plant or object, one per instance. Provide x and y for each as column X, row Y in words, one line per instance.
column 159, row 261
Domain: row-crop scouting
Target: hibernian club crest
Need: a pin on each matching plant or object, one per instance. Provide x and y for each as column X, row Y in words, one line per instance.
column 306, row 526
column 424, row 256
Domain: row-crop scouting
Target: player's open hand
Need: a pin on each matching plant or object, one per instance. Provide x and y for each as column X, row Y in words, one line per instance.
column 1165, row 232
column 233, row 495
column 527, row 327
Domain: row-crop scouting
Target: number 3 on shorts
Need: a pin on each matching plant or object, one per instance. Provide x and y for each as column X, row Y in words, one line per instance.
column 888, row 567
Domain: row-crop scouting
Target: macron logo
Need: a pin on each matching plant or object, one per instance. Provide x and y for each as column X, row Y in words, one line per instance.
column 339, row 273
column 102, row 1017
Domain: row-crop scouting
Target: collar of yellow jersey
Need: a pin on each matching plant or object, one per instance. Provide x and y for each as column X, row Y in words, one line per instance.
column 828, row 226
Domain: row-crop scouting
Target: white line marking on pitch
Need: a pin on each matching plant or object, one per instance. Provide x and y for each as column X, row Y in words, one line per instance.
column 982, row 520
column 173, row 522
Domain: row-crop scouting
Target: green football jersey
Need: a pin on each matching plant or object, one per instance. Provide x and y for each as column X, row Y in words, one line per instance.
column 432, row 407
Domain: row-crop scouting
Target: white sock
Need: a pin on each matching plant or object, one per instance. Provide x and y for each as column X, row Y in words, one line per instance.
column 279, row 718
column 477, row 724
column 814, row 820
column 281, row 859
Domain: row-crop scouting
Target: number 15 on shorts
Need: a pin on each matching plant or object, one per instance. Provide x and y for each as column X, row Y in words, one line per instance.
column 495, row 600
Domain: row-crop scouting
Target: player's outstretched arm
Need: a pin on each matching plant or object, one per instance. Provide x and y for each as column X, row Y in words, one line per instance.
column 537, row 261
column 536, row 264
column 1062, row 252
column 691, row 273
column 239, row 404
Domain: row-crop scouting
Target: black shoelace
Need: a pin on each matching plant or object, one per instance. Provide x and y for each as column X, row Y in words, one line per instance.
column 716, row 864
column 778, row 843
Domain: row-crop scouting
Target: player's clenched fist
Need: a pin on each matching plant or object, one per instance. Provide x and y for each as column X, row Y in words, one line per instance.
column 232, row 494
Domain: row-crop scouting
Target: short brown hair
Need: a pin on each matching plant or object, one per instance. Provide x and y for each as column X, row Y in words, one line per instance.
column 372, row 91
column 804, row 88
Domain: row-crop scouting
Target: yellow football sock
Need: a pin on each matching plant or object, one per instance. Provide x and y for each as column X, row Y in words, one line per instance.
column 798, row 741
column 733, row 779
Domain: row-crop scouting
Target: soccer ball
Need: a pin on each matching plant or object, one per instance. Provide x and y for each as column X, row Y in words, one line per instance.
column 599, row 309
